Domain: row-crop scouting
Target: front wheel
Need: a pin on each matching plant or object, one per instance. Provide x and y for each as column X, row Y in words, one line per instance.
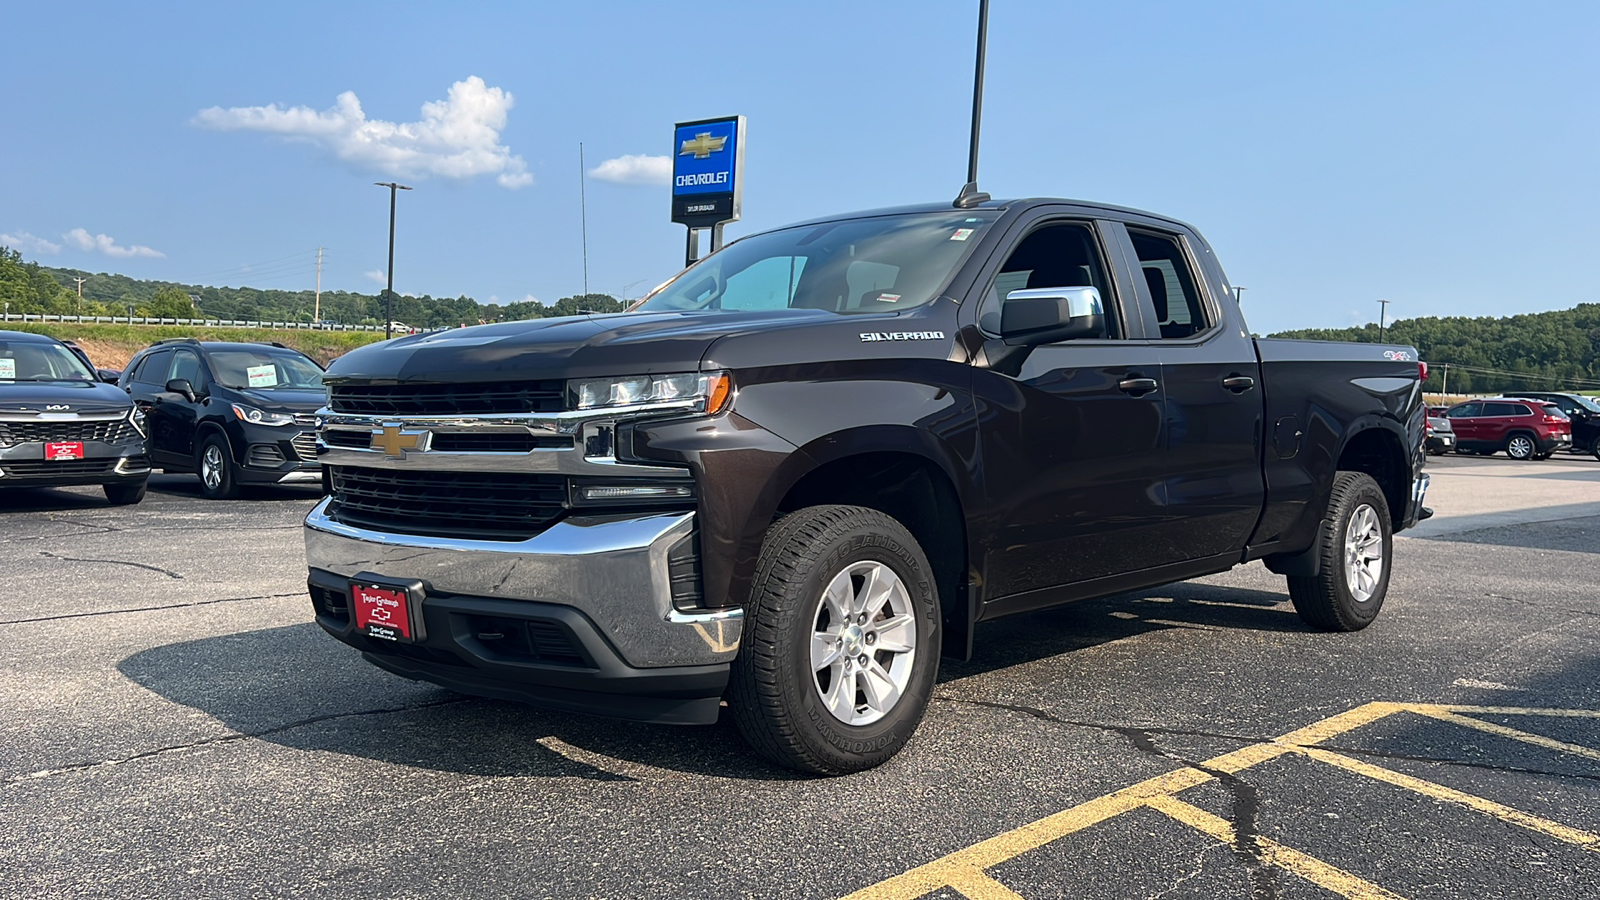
column 1357, row 544
column 215, row 465
column 841, row 641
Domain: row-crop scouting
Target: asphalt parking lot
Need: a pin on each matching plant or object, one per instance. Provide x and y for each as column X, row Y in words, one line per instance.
column 172, row 723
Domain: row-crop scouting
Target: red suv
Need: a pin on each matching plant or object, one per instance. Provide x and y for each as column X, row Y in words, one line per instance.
column 1524, row 429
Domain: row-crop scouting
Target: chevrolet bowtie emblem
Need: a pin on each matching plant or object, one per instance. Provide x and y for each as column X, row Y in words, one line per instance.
column 394, row 442
column 703, row 145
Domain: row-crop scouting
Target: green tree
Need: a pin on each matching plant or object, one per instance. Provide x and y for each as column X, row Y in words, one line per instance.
column 169, row 303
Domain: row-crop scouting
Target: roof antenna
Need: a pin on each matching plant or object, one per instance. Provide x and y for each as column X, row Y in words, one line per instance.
column 970, row 196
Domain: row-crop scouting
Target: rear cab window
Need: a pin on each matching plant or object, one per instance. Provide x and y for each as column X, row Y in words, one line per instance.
column 1174, row 291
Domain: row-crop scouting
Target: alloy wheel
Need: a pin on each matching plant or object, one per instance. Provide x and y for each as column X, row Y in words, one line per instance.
column 1363, row 553
column 863, row 643
column 211, row 466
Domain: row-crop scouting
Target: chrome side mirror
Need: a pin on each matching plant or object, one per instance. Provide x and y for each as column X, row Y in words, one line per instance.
column 1047, row 315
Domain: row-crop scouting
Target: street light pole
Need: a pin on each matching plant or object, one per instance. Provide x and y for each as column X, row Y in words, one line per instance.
column 388, row 291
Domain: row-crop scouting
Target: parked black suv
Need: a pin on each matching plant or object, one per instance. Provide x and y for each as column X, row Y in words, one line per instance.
column 235, row 414
column 1583, row 411
column 59, row 425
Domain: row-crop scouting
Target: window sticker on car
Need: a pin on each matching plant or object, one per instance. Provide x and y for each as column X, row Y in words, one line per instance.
column 262, row 376
column 961, row 234
column 8, row 368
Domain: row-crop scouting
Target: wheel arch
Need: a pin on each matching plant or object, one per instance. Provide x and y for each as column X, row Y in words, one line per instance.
column 905, row 474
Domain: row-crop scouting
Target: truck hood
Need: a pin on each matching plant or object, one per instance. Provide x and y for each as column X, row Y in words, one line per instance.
column 86, row 397
column 566, row 347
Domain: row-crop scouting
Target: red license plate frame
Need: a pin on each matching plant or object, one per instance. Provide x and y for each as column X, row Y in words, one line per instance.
column 58, row 450
column 386, row 612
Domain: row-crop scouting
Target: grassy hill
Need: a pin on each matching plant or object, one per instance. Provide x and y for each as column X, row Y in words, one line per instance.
column 111, row 346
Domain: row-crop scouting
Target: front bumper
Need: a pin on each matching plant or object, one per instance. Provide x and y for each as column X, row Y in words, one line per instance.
column 577, row 617
column 276, row 455
column 23, row 465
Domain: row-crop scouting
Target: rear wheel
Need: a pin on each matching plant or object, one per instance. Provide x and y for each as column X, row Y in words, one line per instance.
column 1521, row 446
column 841, row 641
column 1357, row 545
column 1595, row 447
column 125, row 494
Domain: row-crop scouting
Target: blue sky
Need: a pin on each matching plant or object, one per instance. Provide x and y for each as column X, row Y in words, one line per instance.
column 1438, row 155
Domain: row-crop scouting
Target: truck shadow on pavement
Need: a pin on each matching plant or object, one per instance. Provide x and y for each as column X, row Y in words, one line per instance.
column 1022, row 639
column 295, row 687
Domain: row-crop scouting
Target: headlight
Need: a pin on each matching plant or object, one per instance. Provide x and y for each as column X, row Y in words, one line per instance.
column 708, row 392
column 259, row 417
column 136, row 416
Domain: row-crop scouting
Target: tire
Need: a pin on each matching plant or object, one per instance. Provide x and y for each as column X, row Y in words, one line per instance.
column 816, row 564
column 1339, row 598
column 1595, row 448
column 125, row 494
column 1521, row 446
column 214, row 464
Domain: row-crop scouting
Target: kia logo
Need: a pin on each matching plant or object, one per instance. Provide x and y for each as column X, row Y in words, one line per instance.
column 56, row 406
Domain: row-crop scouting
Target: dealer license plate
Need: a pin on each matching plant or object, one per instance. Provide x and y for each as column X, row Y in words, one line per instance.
column 63, row 450
column 383, row 612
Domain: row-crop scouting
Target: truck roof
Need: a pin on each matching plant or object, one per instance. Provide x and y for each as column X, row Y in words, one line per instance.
column 1018, row 202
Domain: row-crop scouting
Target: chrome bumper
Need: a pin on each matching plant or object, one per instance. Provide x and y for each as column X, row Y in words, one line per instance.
column 613, row 570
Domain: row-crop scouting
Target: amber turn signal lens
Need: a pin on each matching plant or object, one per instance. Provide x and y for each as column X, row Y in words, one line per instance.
column 721, row 391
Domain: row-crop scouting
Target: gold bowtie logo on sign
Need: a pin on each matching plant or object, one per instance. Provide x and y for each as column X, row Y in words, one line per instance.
column 395, row 443
column 702, row 146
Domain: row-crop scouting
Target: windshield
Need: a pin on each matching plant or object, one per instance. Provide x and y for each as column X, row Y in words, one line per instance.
column 38, row 361
column 264, row 370
column 879, row 264
column 1587, row 403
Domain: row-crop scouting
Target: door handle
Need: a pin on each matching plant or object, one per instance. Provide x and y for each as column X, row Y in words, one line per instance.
column 1137, row 386
column 1238, row 383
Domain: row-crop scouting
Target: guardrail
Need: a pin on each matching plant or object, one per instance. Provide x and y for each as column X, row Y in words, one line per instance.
column 157, row 320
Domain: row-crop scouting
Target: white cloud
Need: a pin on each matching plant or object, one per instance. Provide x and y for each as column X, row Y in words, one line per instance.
column 27, row 243
column 457, row 138
column 529, row 298
column 377, row 275
column 103, row 243
column 635, row 169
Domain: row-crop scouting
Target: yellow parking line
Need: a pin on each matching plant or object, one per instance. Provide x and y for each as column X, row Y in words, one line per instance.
column 1444, row 715
column 1451, row 795
column 985, row 854
column 975, row 885
column 1509, row 710
column 1328, row 877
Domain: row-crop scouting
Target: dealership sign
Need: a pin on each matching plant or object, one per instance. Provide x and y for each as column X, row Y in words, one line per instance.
column 707, row 171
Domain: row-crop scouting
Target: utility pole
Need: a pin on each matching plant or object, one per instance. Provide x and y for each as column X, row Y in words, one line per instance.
column 80, row 282
column 583, row 212
column 1383, row 313
column 388, row 290
column 1445, row 388
column 316, row 308
column 1238, row 293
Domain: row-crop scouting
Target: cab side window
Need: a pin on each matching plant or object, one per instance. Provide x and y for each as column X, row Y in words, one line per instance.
column 1465, row 411
column 1057, row 255
column 1172, row 285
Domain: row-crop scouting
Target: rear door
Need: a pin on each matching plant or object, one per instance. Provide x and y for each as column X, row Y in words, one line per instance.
column 1212, row 473
column 146, row 388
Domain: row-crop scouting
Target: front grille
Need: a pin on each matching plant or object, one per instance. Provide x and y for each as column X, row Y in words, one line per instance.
column 48, row 467
column 461, row 441
column 305, row 445
column 488, row 505
column 111, row 431
column 449, row 399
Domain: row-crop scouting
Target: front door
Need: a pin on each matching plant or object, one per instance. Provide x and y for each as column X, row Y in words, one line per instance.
column 1071, row 434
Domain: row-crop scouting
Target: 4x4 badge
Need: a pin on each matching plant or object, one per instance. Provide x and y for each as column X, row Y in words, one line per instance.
column 395, row 442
